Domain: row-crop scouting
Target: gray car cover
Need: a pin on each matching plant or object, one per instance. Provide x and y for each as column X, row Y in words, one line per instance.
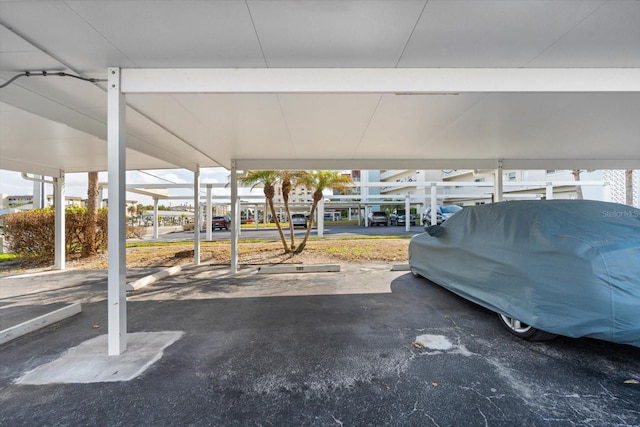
column 569, row 267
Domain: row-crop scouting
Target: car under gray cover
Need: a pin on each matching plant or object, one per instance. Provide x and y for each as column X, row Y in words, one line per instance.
column 566, row 267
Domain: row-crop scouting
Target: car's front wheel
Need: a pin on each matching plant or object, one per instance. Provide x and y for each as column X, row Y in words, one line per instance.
column 414, row 272
column 524, row 331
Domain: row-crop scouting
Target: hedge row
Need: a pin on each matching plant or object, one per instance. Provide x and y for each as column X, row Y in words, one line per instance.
column 32, row 233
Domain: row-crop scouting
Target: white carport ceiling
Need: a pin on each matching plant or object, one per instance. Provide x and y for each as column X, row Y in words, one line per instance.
column 60, row 123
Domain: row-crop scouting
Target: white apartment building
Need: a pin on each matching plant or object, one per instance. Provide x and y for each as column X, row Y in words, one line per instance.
column 466, row 187
column 26, row 201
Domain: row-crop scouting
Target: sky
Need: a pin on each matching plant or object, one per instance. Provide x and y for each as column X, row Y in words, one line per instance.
column 12, row 183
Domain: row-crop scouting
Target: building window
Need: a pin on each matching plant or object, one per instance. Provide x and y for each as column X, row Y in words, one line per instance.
column 511, row 176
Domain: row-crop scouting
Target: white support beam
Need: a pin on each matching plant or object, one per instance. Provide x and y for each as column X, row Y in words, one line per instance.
column 428, row 164
column 362, row 164
column 255, row 216
column 407, row 213
column 498, row 183
column 117, row 222
column 38, row 193
column 379, row 80
column 236, row 219
column 59, row 209
column 207, row 215
column 434, row 202
column 196, row 216
column 19, row 166
column 155, row 218
column 532, row 164
column 168, row 185
column 320, row 214
column 234, row 214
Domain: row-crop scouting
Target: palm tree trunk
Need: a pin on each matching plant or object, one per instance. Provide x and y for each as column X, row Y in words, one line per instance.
column 89, row 243
column 291, row 229
column 275, row 218
column 302, row 244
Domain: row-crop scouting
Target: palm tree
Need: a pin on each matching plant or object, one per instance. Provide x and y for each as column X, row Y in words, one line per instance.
column 288, row 180
column 132, row 210
column 89, row 245
column 319, row 181
column 268, row 179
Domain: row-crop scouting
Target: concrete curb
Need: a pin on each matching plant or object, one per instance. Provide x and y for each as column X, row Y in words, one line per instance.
column 400, row 267
column 147, row 280
column 328, row 268
column 39, row 322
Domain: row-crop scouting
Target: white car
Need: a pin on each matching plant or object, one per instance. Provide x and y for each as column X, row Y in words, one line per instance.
column 443, row 213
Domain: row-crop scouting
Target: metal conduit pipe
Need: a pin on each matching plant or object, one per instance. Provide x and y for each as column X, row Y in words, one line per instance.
column 30, row 178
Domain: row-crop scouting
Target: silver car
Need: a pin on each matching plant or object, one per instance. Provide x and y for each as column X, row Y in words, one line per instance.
column 298, row 220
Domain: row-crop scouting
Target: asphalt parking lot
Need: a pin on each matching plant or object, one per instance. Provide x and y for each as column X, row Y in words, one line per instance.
column 365, row 346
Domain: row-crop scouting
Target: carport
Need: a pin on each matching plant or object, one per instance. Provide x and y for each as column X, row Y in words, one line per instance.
column 287, row 85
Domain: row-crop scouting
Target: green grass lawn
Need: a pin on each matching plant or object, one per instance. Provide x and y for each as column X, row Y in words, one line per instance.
column 7, row 257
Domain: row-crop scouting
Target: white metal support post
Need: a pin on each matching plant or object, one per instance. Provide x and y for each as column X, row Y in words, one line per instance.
column 59, row 234
column 606, row 192
column 407, row 214
column 434, row 204
column 196, row 216
column 549, row 191
column 117, row 222
column 234, row 214
column 498, row 186
column 320, row 213
column 265, row 214
column 255, row 216
column 155, row 217
column 207, row 214
column 238, row 222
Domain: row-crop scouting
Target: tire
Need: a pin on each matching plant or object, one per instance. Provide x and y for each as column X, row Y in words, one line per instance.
column 415, row 273
column 524, row 331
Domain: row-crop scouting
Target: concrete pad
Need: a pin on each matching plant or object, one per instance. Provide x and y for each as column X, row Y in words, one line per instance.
column 39, row 322
column 89, row 362
column 325, row 268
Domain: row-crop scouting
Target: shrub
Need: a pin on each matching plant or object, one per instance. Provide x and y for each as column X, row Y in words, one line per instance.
column 32, row 233
column 188, row 227
column 137, row 231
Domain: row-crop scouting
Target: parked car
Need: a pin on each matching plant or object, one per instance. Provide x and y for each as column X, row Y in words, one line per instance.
column 443, row 213
column 378, row 218
column 565, row 267
column 298, row 220
column 220, row 222
column 402, row 220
